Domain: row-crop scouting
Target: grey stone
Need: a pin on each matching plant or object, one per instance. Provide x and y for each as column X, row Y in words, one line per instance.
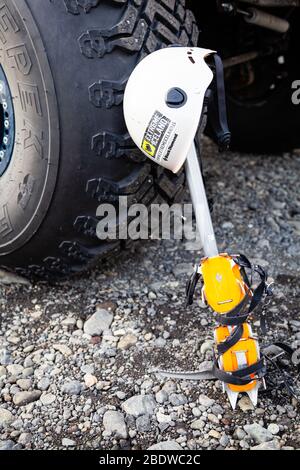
column 23, row 398
column 177, row 399
column 72, row 387
column 224, row 441
column 6, row 417
column 6, row 445
column 66, row 442
column 43, row 384
column 114, row 423
column 270, row 445
column 258, row 433
column 139, row 405
column 15, row 369
column 98, row 322
column 25, row 438
column 166, row 445
column 206, row 401
column 273, row 428
column 143, row 423
column 5, row 357
column 161, row 396
column 48, row 399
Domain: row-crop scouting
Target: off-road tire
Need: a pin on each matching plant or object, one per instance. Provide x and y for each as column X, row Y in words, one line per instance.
column 67, row 62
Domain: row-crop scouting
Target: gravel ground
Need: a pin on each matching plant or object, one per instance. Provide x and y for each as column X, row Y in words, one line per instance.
column 76, row 359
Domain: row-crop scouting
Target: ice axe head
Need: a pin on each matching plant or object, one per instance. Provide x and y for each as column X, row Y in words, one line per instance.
column 163, row 103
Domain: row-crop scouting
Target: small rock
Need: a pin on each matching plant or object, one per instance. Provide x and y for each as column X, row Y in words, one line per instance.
column 214, row 434
column 207, row 346
column 98, row 322
column 162, row 418
column 224, row 441
column 24, row 384
column 139, row 405
column 166, row 445
column 198, row 424
column 90, row 380
column 5, row 357
column 271, row 445
column 23, row 398
column 206, row 401
column 127, row 341
column 177, row 399
column 15, row 369
column 121, row 395
column 6, row 418
column 143, row 423
column 43, row 384
column 245, row 404
column 212, row 418
column 66, row 442
column 48, row 399
column 161, row 396
column 2, row 371
column 258, row 433
column 114, row 423
column 6, row 445
column 25, row 438
column 72, row 387
column 63, row 349
column 273, row 428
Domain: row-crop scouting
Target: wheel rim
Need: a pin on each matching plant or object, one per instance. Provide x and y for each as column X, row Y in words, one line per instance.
column 7, row 123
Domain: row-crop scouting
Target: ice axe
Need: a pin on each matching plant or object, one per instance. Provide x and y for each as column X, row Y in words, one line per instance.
column 165, row 98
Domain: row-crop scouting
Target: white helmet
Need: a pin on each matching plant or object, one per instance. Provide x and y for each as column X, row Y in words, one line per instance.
column 163, row 103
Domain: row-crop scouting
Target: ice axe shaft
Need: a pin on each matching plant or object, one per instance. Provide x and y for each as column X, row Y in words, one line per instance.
column 200, row 203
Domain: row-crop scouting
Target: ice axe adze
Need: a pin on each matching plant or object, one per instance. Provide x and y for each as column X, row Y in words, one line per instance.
column 164, row 101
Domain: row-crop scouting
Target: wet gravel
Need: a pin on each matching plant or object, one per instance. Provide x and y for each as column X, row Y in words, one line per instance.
column 76, row 359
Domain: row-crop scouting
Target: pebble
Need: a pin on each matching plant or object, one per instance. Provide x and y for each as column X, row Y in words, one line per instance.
column 66, row 442
column 139, row 405
column 7, row 445
column 72, row 387
column 273, row 428
column 43, row 384
column 198, row 424
column 161, row 396
column 166, row 445
column 24, row 384
column 245, row 404
column 127, row 341
column 113, row 422
column 6, row 418
column 270, row 445
column 143, row 423
column 206, row 401
column 15, row 369
column 90, row 380
column 258, row 433
column 63, row 349
column 48, row 399
column 98, row 322
column 24, row 398
column 177, row 399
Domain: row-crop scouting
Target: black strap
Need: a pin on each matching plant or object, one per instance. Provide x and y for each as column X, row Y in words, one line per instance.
column 231, row 340
column 240, row 376
column 217, row 110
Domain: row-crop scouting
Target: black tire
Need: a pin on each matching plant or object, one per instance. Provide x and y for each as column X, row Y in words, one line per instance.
column 267, row 126
column 67, row 62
